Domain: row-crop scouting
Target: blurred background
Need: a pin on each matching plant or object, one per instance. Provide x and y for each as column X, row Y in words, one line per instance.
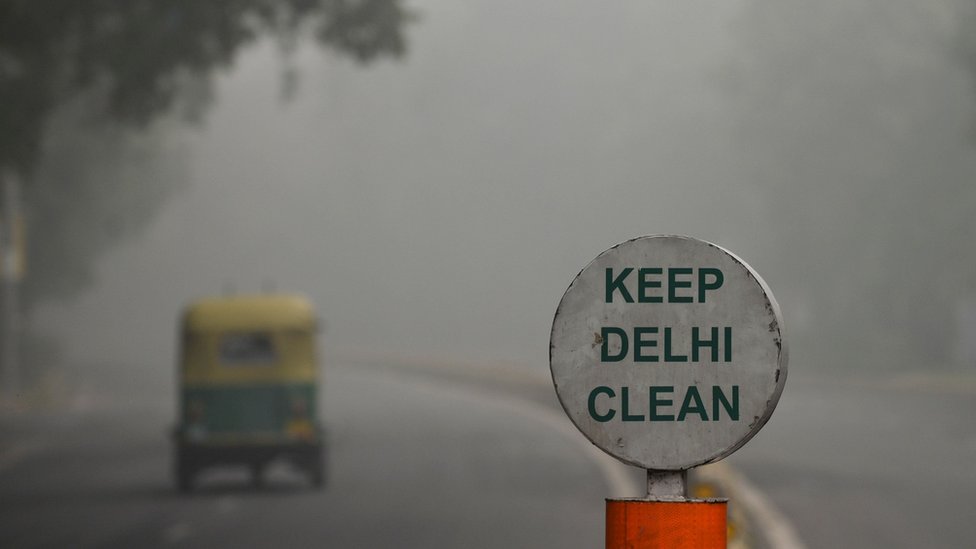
column 431, row 175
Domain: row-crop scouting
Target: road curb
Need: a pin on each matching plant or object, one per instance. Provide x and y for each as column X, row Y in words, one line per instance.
column 762, row 524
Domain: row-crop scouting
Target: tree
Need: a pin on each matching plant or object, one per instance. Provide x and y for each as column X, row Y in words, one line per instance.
column 126, row 63
column 80, row 79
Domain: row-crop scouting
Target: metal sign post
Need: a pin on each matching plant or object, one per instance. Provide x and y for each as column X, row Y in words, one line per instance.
column 667, row 352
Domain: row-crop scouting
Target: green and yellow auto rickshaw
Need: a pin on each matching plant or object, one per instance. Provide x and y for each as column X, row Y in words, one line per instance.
column 248, row 383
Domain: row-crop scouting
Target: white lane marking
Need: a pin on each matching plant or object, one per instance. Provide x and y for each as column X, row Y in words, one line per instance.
column 614, row 473
column 777, row 530
column 773, row 525
column 19, row 452
column 177, row 532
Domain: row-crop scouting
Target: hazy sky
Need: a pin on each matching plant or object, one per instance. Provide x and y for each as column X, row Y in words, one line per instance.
column 441, row 205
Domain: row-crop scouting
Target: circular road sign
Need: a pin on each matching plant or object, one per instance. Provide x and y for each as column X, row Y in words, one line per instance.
column 667, row 352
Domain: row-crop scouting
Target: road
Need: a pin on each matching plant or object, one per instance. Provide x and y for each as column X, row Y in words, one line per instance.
column 421, row 459
column 415, row 461
column 870, row 464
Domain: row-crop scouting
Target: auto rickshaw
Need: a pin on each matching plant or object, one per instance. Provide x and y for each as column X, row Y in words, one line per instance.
column 248, row 380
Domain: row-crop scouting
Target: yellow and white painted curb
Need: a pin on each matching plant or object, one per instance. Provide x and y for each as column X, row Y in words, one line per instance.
column 754, row 522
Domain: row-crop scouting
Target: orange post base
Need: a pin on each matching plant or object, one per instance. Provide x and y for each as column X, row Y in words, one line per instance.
column 649, row 524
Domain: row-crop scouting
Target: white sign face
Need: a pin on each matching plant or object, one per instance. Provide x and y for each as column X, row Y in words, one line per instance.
column 667, row 352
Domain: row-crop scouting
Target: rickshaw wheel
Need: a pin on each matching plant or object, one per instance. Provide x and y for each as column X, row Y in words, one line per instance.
column 185, row 483
column 184, row 476
column 317, row 476
column 257, row 475
column 316, row 469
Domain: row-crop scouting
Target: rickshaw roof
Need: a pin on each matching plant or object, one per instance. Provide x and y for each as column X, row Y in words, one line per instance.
column 249, row 312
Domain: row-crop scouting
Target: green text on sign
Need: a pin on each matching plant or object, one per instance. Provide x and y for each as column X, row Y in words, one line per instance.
column 679, row 284
column 604, row 403
column 706, row 344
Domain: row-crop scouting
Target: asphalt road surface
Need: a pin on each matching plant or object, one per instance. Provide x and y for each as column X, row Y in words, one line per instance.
column 414, row 461
column 426, row 460
column 870, row 464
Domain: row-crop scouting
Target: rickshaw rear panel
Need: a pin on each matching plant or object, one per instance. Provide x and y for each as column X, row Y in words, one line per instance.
column 248, row 386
